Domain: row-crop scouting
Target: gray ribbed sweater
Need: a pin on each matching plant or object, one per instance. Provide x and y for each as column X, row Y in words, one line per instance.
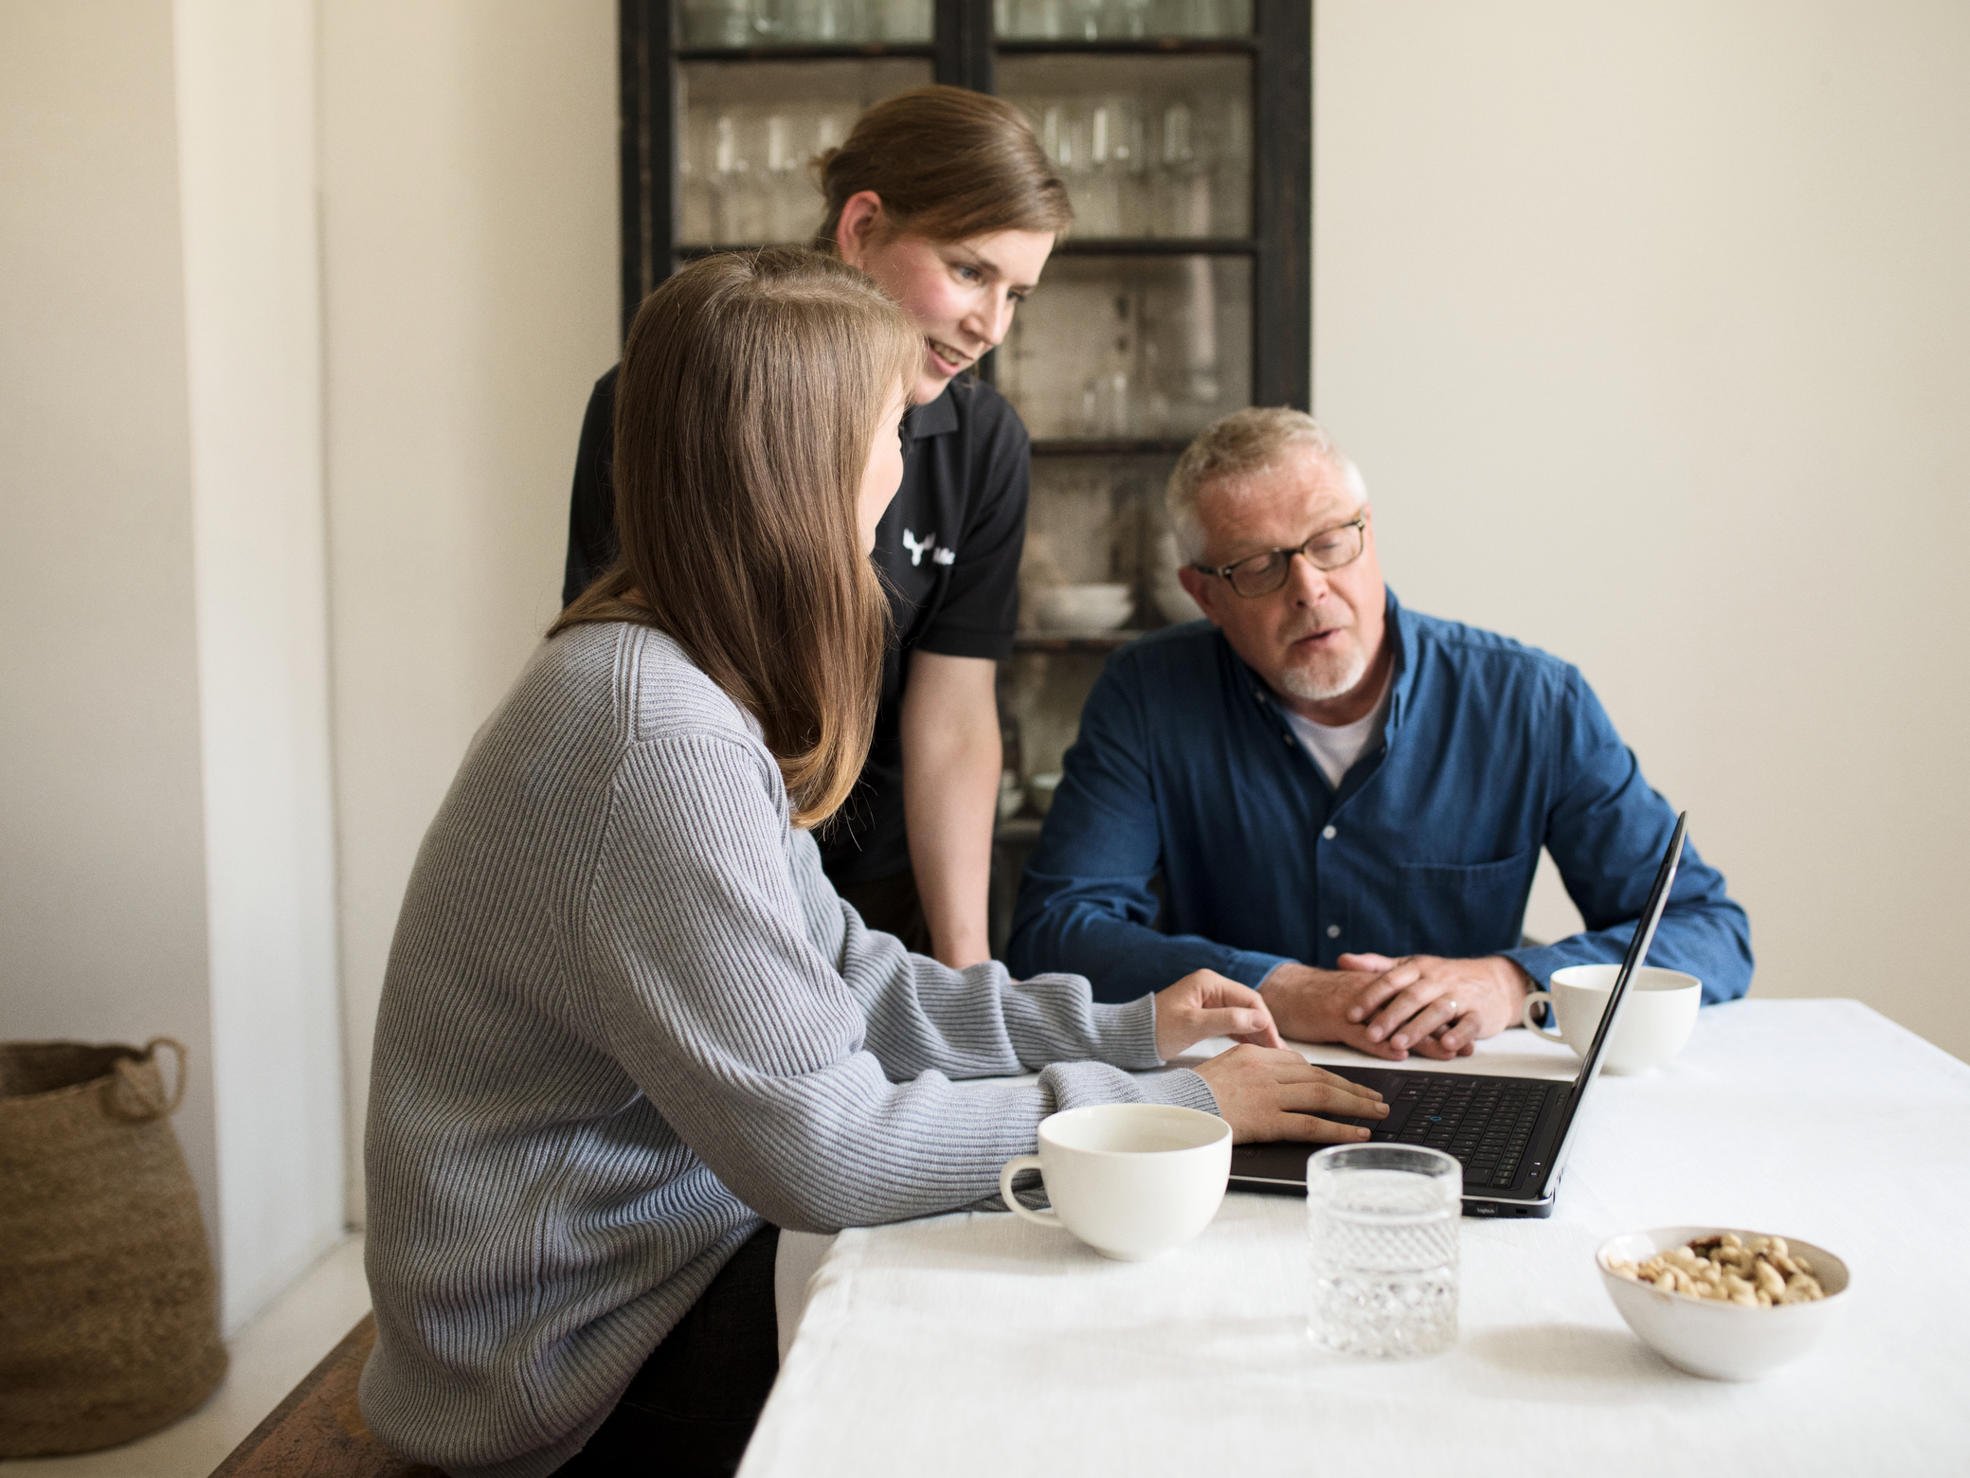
column 625, row 1018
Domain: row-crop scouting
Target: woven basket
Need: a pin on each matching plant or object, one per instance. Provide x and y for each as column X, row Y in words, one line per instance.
column 109, row 1321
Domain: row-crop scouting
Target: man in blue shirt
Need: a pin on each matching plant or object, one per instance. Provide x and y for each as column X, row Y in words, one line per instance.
column 1340, row 801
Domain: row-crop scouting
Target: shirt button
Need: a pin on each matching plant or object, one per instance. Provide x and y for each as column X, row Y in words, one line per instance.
column 1333, row 931
column 1328, row 832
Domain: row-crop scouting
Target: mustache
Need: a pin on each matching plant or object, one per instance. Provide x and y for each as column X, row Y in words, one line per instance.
column 1315, row 628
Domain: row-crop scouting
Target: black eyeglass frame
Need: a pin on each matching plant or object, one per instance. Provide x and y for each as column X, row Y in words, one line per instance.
column 1359, row 523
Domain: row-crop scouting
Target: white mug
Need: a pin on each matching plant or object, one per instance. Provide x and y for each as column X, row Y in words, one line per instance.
column 1656, row 1016
column 1129, row 1179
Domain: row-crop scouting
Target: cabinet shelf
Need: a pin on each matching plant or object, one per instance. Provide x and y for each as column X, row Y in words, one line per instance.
column 1105, row 246
column 1021, row 830
column 815, row 51
column 1128, row 46
column 1157, row 246
column 1147, row 446
column 690, row 251
column 1074, row 641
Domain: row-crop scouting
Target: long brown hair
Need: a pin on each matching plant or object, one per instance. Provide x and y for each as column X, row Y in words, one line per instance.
column 949, row 164
column 751, row 388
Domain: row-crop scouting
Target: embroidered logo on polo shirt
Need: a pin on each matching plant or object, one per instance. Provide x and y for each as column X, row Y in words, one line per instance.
column 927, row 545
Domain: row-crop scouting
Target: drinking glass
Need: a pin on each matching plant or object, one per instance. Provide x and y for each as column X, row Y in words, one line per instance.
column 1128, row 18
column 716, row 23
column 1098, row 190
column 1030, row 19
column 821, row 20
column 899, row 20
column 1068, row 135
column 1199, row 17
column 1081, row 19
column 695, row 188
column 768, row 19
column 1382, row 1234
column 1183, row 184
column 791, row 208
column 738, row 197
column 1105, row 402
column 1120, row 162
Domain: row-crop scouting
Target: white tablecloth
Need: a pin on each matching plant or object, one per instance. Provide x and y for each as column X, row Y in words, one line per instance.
column 977, row 1343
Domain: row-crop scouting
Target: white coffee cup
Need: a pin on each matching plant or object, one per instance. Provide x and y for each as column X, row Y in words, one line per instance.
column 1656, row 1016
column 1129, row 1179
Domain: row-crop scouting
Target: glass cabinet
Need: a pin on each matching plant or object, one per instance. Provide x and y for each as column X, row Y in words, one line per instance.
column 1183, row 131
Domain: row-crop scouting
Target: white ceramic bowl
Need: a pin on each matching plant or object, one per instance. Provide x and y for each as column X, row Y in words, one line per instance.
column 1012, row 795
column 1097, row 607
column 1040, row 789
column 1723, row 1341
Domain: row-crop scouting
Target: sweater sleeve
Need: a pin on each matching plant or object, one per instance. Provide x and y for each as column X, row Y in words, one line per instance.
column 708, row 987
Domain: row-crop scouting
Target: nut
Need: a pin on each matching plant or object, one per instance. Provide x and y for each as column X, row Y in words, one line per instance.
column 1761, row 1273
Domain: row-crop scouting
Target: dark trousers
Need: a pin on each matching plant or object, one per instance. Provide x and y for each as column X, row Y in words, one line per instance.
column 691, row 1409
column 891, row 905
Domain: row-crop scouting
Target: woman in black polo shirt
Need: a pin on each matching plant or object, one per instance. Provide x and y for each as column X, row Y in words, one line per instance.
column 947, row 200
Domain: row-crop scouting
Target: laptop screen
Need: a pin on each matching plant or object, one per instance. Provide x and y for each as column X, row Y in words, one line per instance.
column 1638, row 948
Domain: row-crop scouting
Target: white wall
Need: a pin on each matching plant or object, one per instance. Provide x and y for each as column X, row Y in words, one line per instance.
column 102, row 867
column 246, row 130
column 1646, row 323
column 165, row 854
column 470, row 242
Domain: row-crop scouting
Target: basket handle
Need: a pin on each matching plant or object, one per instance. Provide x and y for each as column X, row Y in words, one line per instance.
column 139, row 1093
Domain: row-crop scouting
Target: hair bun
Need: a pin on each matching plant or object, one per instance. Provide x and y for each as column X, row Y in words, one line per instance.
column 948, row 164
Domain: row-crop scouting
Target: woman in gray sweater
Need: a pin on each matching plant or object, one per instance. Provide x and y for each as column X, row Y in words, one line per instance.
column 628, row 1028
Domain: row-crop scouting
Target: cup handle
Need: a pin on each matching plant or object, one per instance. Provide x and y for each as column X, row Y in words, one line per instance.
column 1550, row 1030
column 1047, row 1218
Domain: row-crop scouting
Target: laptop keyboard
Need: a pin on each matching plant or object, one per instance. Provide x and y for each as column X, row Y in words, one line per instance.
column 1486, row 1123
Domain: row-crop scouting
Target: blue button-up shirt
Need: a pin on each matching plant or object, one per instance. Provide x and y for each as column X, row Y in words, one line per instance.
column 1191, row 829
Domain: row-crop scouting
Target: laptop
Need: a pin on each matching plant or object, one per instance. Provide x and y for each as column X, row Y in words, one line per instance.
column 1510, row 1134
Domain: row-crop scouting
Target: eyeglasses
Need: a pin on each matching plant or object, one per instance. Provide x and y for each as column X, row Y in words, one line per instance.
column 1261, row 574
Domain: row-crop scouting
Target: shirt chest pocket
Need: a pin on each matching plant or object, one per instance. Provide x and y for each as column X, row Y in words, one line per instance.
column 1463, row 909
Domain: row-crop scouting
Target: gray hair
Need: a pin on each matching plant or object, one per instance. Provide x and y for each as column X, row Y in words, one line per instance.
column 1239, row 445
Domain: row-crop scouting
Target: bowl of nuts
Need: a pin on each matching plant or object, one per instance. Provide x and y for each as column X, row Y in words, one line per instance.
column 1730, row 1305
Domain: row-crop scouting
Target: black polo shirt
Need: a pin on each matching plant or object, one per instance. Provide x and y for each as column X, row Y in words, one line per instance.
column 948, row 550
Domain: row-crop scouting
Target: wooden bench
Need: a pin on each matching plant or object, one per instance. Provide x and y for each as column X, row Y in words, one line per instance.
column 318, row 1431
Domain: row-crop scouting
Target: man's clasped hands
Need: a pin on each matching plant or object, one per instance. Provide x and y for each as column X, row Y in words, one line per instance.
column 1386, row 1007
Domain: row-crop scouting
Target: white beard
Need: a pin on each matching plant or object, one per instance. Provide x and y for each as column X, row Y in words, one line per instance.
column 1309, row 687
